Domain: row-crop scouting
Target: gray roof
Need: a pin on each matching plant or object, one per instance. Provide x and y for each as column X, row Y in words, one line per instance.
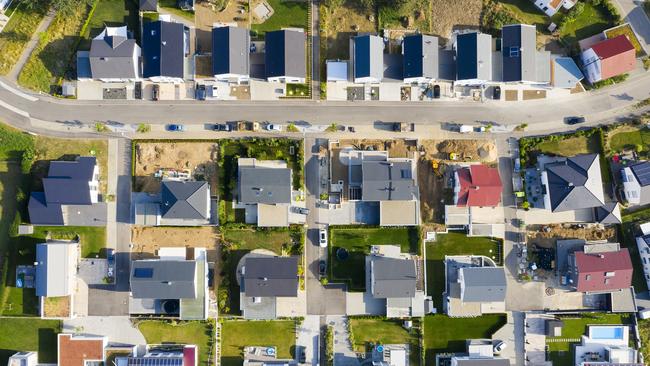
column 393, row 277
column 575, row 183
column 285, row 54
column 42, row 213
column 484, row 284
column 641, row 172
column 163, row 279
column 608, row 213
column 474, row 56
column 566, row 74
column 483, row 362
column 264, row 185
column 185, row 200
column 421, row 56
column 67, row 181
column 519, row 49
column 387, row 181
column 53, row 268
column 368, row 56
column 230, row 50
column 112, row 57
column 271, row 277
column 148, row 5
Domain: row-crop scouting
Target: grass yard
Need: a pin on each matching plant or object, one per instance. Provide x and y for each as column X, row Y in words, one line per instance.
column 412, row 14
column 18, row 32
column 591, row 21
column 570, row 146
column 13, row 142
column 644, row 333
column 444, row 334
column 91, row 238
column 629, row 140
column 385, row 331
column 200, row 333
column 561, row 353
column 286, row 14
column 29, row 335
column 111, row 13
column 171, row 7
column 525, row 11
column 629, row 233
column 454, row 244
column 297, row 90
column 53, row 57
column 357, row 242
column 235, row 335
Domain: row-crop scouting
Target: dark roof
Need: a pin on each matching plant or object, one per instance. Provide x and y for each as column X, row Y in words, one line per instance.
column 642, row 173
column 421, row 56
column 42, row 213
column 573, row 183
column 67, row 181
column 474, row 56
column 393, row 277
column 230, row 50
column 163, row 279
column 285, row 54
column 368, row 56
column 163, row 50
column 264, row 185
column 484, row 284
column 271, row 276
column 608, row 213
column 82, row 168
column 148, row 5
column 184, row 200
column 518, row 49
column 112, row 54
column 386, row 181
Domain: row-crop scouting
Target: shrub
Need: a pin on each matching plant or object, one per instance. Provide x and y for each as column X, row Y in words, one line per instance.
column 144, row 128
column 292, row 128
column 101, row 127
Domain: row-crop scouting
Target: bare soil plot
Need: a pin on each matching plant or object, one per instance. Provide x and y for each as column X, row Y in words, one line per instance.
column 205, row 15
column 433, row 194
column 398, row 148
column 56, row 307
column 339, row 24
column 199, row 157
column 147, row 240
column 448, row 15
column 470, row 150
column 546, row 238
column 534, row 94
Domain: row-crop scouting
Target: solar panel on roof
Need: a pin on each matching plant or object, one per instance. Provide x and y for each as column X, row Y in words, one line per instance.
column 143, row 273
column 642, row 173
column 156, row 361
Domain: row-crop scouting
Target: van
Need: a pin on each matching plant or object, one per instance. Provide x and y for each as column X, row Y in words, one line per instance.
column 644, row 313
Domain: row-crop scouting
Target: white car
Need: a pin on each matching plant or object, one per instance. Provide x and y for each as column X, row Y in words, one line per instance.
column 322, row 238
column 272, row 127
column 500, row 347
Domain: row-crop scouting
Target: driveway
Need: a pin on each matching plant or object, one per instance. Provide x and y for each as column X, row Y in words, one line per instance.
column 343, row 353
column 632, row 11
column 118, row 329
column 308, row 339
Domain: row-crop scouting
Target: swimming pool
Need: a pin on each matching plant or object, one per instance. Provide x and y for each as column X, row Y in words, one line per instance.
column 607, row 332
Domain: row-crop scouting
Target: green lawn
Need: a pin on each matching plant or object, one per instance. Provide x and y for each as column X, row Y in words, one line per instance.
column 286, row 14
column 29, row 335
column 454, row 244
column 593, row 20
column 561, row 353
column 111, row 13
column 630, row 139
column 17, row 33
column 644, row 332
column 297, row 90
column 628, row 240
column 525, row 11
column 357, row 242
column 92, row 239
column 200, row 333
column 444, row 334
column 13, row 142
column 570, row 146
column 170, row 6
column 235, row 335
column 385, row 331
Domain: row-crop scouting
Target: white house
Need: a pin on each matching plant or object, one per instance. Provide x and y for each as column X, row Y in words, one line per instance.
column 636, row 183
column 550, row 7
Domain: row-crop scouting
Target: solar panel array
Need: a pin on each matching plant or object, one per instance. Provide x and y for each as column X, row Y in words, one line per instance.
column 155, row 361
column 642, row 172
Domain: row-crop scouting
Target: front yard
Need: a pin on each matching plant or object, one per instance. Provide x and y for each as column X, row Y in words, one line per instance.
column 356, row 241
column 286, row 14
column 111, row 13
column 367, row 332
column 455, row 244
column 18, row 32
column 29, row 335
column 235, row 335
column 443, row 334
column 200, row 333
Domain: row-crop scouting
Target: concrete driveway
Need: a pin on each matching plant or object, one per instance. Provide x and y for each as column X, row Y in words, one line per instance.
column 632, row 12
column 118, row 329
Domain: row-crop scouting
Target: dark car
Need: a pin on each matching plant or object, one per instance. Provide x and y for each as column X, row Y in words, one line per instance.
column 496, row 93
column 322, row 266
column 155, row 91
column 300, row 210
column 574, row 120
column 222, row 127
column 175, row 128
column 200, row 92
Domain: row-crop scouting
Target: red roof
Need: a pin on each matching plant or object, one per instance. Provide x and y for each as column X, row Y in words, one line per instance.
column 603, row 271
column 76, row 350
column 480, row 186
column 617, row 56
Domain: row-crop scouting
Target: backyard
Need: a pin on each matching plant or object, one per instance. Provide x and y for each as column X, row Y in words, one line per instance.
column 592, row 20
column 171, row 6
column 286, row 14
column 443, row 334
column 235, row 335
column 29, row 335
column 561, row 351
column 629, row 233
column 357, row 242
column 405, row 14
column 111, row 13
column 630, row 138
column 454, row 244
column 200, row 333
column 385, row 331
column 18, row 31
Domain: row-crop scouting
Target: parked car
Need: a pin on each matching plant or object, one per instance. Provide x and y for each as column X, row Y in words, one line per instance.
column 302, row 358
column 222, row 127
column 574, row 120
column 300, row 210
column 500, row 347
column 200, row 92
column 351, row 129
column 496, row 93
column 322, row 238
column 272, row 127
column 175, row 127
column 155, row 91
column 322, row 267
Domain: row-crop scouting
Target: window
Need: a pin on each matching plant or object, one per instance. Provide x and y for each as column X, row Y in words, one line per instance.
column 514, row 51
column 588, row 277
column 610, row 274
column 406, row 174
column 607, row 281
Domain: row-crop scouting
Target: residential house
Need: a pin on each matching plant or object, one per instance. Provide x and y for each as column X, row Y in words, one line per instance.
column 337, row 70
column 521, row 61
column 643, row 245
column 575, row 183
column 636, row 183
column 608, row 58
column 606, row 345
column 264, row 282
column 230, row 54
column 56, row 268
column 284, row 59
column 477, row 186
column 176, row 284
column 480, row 352
column 184, row 203
column 367, row 53
column 473, row 58
column 550, row 7
column 396, row 278
column 70, row 195
column 166, row 355
column 474, row 286
column 113, row 57
column 564, row 72
column 80, row 350
column 600, row 271
column 264, row 189
column 420, row 55
column 149, row 5
column 23, row 359
column 165, row 49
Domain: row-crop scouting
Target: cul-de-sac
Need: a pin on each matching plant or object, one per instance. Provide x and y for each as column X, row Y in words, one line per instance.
column 324, row 182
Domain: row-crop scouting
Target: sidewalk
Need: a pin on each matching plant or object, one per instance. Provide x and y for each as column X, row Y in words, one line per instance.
column 31, row 45
column 111, row 184
column 343, row 353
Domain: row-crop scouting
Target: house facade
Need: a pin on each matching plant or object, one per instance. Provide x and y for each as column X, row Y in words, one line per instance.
column 636, row 183
column 608, row 58
column 231, row 54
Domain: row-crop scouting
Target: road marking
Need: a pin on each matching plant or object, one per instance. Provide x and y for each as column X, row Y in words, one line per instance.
column 13, row 109
column 18, row 92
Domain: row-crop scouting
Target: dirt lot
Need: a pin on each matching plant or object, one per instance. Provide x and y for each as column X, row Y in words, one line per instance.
column 56, row 307
column 468, row 150
column 396, row 148
column 338, row 25
column 448, row 14
column 199, row 157
column 537, row 235
column 206, row 16
column 147, row 240
column 433, row 193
